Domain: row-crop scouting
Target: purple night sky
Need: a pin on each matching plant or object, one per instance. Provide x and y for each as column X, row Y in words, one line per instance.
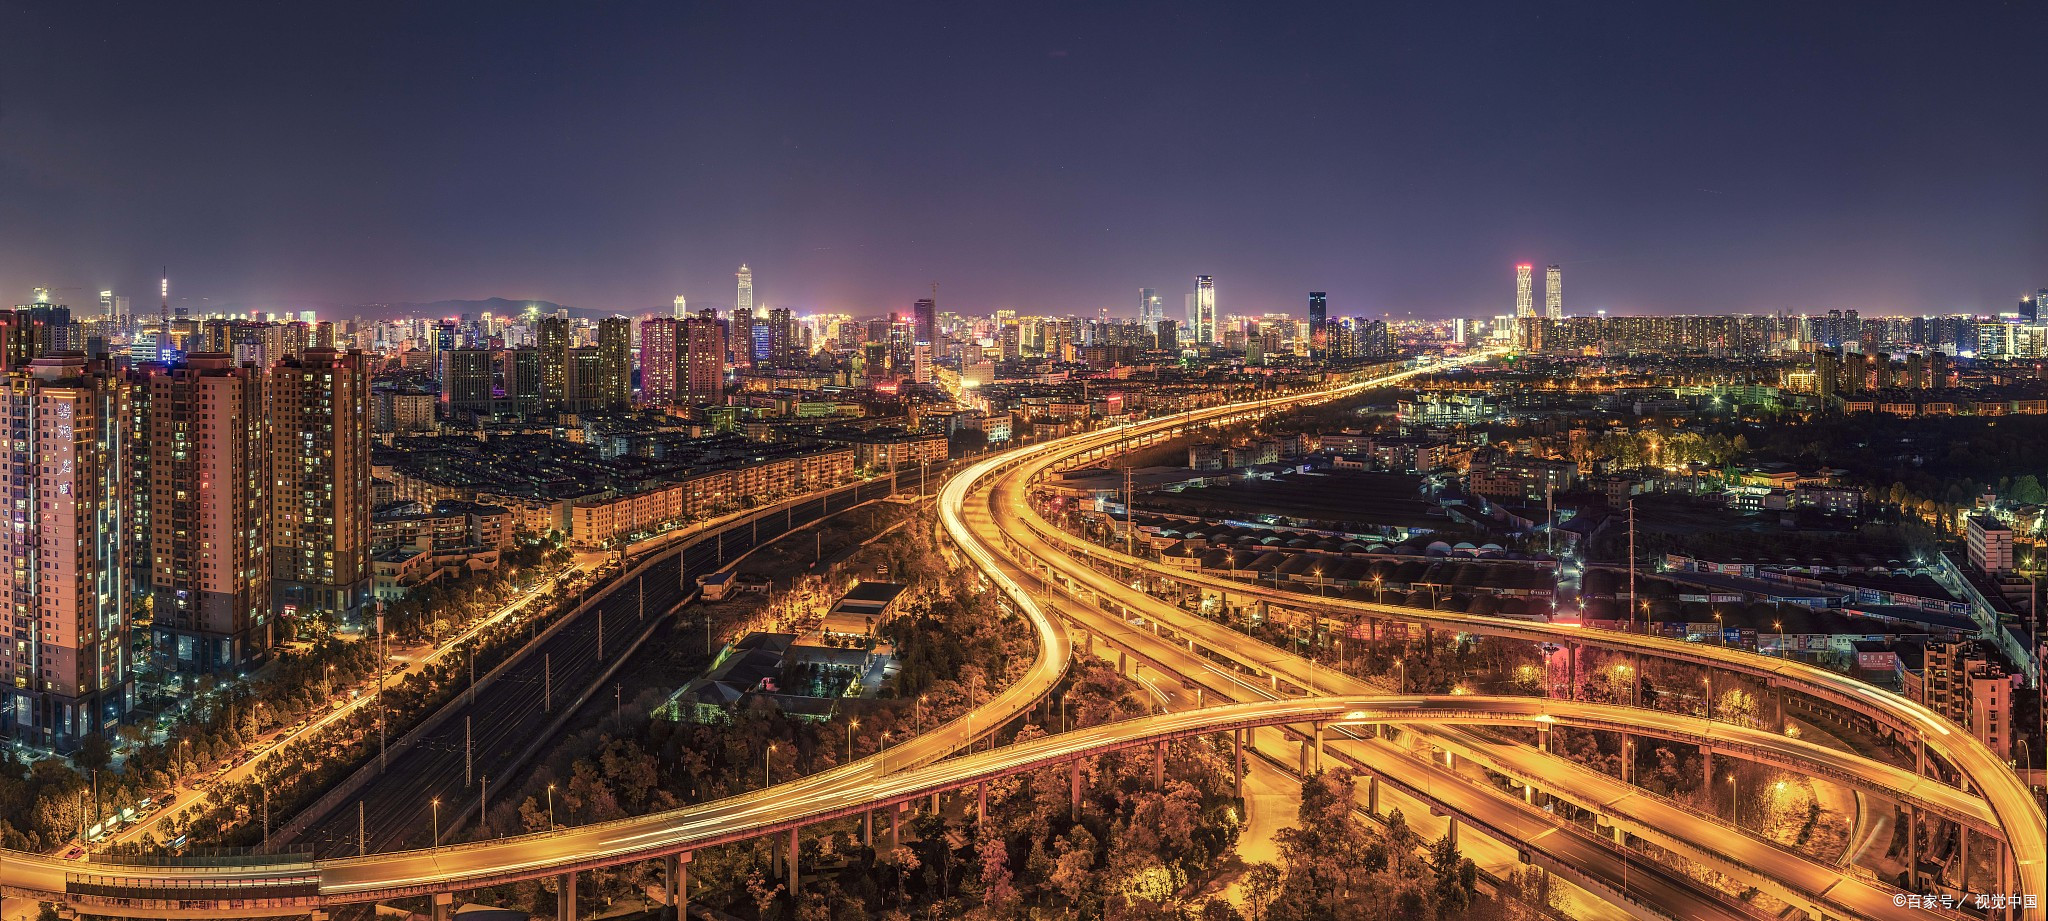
column 1048, row 158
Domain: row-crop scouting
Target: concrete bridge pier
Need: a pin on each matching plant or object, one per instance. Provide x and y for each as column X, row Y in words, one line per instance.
column 1159, row 766
column 1372, row 795
column 1074, row 772
column 1237, row 761
column 678, row 877
column 565, row 897
column 791, row 861
column 444, row 906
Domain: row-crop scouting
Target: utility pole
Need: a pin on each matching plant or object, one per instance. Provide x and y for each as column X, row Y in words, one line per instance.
column 362, row 839
column 547, row 679
column 466, row 751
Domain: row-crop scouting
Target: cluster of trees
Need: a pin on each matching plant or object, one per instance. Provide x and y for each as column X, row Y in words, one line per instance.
column 224, row 719
column 1661, row 447
column 437, row 605
column 1333, row 867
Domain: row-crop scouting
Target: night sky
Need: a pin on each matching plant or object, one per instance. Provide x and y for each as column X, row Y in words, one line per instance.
column 1708, row 158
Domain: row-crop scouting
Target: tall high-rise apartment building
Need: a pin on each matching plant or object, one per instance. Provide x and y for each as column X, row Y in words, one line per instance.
column 1525, row 292
column 1204, row 319
column 554, row 363
column 704, row 360
column 466, row 380
column 208, row 430
column 1151, row 308
column 65, row 668
column 320, row 493
column 615, row 362
column 744, row 303
column 661, row 359
column 1318, row 324
column 925, row 321
column 523, row 374
column 682, row 308
column 1553, row 293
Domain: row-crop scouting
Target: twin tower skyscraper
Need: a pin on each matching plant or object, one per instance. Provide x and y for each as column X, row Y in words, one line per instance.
column 1525, row 292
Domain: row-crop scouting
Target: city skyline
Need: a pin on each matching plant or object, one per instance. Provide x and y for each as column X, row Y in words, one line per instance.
column 411, row 179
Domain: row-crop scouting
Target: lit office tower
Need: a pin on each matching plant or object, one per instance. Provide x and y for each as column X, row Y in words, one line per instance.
column 1553, row 293
column 320, row 493
column 1318, row 324
column 741, row 338
column 615, row 362
column 65, row 667
column 1204, row 319
column 208, row 427
column 661, row 359
column 466, row 380
column 1525, row 294
column 554, row 363
column 925, row 321
column 704, row 360
column 782, row 346
column 1151, row 308
column 682, row 308
column 745, row 302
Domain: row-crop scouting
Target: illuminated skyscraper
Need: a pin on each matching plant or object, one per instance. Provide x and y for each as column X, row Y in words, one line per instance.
column 554, row 363
column 745, row 303
column 615, row 362
column 1525, row 294
column 1151, row 309
column 1204, row 319
column 1553, row 293
column 208, row 426
column 704, row 360
column 466, row 380
column 1318, row 324
column 682, row 308
column 661, row 359
column 320, row 464
column 925, row 321
column 65, row 660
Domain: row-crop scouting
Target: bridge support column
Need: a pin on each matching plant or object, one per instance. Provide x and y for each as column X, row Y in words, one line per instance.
column 1123, row 662
column 791, row 860
column 1159, row 766
column 1963, row 857
column 981, row 808
column 565, row 897
column 1571, row 657
column 1543, row 737
column 1628, row 758
column 896, row 826
column 1372, row 795
column 678, row 866
column 867, row 828
column 1074, row 774
column 444, row 906
column 1452, row 830
column 1237, row 761
column 1319, row 748
column 1707, row 770
column 1912, row 848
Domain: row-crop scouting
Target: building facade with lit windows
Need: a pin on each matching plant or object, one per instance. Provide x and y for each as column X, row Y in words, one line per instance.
column 65, row 669
column 209, row 492
column 320, row 499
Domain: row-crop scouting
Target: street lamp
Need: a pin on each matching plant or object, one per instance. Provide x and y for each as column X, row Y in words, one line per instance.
column 917, row 712
column 551, row 807
column 850, row 727
column 882, row 762
column 765, row 755
column 435, row 841
column 1734, row 805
